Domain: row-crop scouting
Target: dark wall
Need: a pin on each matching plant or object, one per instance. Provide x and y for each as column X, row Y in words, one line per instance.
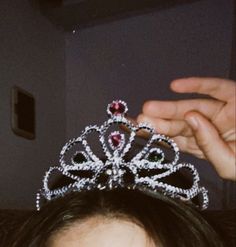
column 135, row 59
column 31, row 57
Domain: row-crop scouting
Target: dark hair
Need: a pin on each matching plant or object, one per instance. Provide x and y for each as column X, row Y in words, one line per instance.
column 166, row 221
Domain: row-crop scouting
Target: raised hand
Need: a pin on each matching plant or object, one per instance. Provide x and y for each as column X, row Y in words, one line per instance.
column 202, row 127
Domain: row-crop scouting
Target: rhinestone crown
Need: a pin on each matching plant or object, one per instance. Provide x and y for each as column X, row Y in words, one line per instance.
column 147, row 169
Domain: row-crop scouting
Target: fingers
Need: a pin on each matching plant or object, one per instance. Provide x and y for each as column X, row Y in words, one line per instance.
column 213, row 147
column 188, row 145
column 177, row 109
column 221, row 89
column 166, row 127
column 142, row 133
column 179, row 130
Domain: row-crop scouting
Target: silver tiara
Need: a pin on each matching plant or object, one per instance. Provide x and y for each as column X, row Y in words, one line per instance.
column 147, row 169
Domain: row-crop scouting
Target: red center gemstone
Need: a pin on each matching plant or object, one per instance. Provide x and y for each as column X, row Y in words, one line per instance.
column 116, row 140
column 117, row 108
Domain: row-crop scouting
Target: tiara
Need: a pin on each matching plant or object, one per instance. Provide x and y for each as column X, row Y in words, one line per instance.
column 146, row 169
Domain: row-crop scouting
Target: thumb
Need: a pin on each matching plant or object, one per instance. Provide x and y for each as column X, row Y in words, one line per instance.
column 212, row 145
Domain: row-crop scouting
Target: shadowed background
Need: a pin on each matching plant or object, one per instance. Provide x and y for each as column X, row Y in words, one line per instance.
column 75, row 70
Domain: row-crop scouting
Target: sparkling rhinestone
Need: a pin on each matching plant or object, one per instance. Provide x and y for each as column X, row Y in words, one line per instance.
column 109, row 172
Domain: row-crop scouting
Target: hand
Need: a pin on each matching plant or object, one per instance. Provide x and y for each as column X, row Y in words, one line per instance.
column 202, row 127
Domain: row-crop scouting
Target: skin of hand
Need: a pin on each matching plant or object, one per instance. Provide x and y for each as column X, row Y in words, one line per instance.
column 202, row 127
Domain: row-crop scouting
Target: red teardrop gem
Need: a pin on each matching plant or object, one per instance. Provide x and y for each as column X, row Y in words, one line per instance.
column 116, row 140
column 117, row 108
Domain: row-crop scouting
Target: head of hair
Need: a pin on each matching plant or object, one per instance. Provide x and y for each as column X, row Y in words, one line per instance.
column 166, row 221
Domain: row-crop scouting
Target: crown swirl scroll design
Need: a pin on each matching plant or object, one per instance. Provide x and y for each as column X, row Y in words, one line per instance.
column 115, row 167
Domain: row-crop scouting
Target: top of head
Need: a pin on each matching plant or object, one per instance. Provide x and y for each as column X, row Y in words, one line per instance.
column 114, row 169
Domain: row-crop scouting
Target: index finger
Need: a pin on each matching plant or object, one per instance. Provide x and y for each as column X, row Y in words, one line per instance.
column 178, row 109
column 221, row 89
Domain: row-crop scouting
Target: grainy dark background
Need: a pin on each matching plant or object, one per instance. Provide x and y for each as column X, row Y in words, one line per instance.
column 74, row 74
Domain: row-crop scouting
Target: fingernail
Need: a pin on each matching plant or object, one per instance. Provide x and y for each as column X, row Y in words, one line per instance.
column 139, row 118
column 192, row 121
column 175, row 83
column 144, row 119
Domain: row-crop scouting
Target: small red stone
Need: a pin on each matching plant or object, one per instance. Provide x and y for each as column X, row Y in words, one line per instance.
column 117, row 108
column 116, row 139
